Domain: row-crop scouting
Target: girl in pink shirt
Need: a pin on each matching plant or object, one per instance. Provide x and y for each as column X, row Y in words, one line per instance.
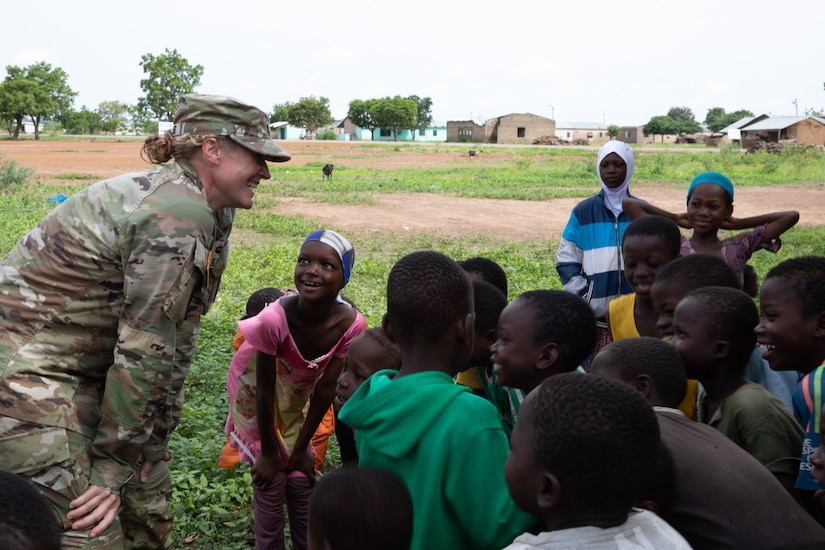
column 282, row 380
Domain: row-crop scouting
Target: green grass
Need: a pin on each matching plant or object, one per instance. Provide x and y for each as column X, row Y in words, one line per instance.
column 74, row 176
column 537, row 173
column 212, row 506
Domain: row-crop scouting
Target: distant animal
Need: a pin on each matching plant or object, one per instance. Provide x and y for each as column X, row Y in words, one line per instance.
column 327, row 170
column 471, row 154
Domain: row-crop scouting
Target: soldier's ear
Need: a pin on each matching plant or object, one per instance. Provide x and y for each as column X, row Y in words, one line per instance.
column 211, row 151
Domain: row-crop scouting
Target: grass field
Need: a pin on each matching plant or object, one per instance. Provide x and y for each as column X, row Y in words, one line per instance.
column 213, row 506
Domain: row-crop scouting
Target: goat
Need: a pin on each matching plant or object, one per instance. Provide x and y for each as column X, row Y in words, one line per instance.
column 327, row 170
column 471, row 154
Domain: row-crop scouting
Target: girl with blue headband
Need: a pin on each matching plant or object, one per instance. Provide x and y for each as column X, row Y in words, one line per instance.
column 709, row 209
column 291, row 356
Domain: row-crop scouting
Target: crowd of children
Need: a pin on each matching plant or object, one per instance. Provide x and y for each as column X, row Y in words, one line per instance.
column 650, row 403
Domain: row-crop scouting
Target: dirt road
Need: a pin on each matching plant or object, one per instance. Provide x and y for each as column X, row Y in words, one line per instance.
column 406, row 212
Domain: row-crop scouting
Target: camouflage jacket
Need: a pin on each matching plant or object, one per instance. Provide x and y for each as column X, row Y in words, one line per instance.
column 100, row 307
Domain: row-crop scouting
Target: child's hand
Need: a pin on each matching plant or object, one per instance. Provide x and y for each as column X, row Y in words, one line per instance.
column 728, row 223
column 266, row 468
column 303, row 461
column 683, row 221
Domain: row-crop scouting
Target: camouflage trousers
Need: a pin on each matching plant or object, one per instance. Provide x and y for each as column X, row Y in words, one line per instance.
column 57, row 462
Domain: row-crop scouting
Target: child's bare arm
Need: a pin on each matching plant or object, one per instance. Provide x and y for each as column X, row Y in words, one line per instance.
column 636, row 208
column 777, row 223
column 269, row 463
column 319, row 403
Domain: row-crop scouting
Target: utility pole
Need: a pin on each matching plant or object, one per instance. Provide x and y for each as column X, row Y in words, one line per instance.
column 796, row 106
column 552, row 112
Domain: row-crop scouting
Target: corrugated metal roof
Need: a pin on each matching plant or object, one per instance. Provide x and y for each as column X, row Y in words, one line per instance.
column 581, row 126
column 775, row 123
column 738, row 124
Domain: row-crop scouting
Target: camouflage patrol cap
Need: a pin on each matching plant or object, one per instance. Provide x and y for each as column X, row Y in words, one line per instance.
column 224, row 116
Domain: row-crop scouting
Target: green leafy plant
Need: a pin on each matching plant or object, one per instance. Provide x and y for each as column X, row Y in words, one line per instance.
column 12, row 175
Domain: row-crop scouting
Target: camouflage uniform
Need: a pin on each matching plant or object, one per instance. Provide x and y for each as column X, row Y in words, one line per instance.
column 99, row 313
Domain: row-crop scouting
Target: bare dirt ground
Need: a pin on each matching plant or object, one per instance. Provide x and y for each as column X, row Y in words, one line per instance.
column 408, row 212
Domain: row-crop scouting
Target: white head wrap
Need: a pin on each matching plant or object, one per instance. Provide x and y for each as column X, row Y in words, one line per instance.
column 613, row 197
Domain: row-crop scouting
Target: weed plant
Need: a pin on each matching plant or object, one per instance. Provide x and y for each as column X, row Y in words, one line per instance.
column 12, row 175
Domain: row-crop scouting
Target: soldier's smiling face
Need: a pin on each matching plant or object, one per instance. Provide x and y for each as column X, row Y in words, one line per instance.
column 236, row 177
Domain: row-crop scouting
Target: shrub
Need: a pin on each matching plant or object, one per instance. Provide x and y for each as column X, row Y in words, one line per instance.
column 327, row 135
column 12, row 175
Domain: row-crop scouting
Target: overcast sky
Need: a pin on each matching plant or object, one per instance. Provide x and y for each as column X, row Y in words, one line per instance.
column 576, row 61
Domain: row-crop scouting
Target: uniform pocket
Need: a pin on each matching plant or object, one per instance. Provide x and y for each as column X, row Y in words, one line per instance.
column 190, row 284
column 34, row 449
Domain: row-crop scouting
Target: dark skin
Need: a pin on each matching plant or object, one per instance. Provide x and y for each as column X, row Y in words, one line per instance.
column 709, row 210
column 316, row 323
column 448, row 354
column 644, row 256
column 714, row 365
column 558, row 504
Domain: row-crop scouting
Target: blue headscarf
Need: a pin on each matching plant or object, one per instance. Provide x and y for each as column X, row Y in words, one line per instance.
column 340, row 244
column 715, row 178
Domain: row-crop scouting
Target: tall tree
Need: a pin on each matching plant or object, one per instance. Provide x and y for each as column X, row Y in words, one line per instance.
column 82, row 122
column 661, row 126
column 360, row 114
column 280, row 112
column 113, row 115
column 310, row 113
column 170, row 76
column 53, row 94
column 717, row 118
column 141, row 119
column 423, row 117
column 17, row 97
column 682, row 114
column 394, row 112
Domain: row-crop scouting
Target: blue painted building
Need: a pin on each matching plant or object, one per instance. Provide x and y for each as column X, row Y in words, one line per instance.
column 431, row 133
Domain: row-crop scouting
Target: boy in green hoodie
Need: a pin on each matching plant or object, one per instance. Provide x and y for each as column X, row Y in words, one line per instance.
column 413, row 422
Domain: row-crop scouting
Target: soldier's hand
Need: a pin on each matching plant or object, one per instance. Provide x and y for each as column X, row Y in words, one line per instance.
column 146, row 469
column 96, row 508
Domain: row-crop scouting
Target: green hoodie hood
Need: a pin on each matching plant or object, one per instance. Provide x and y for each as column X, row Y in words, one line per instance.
column 379, row 410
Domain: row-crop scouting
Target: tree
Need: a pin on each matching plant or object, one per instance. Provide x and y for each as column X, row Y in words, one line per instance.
column 141, row 119
column 717, row 118
column 613, row 131
column 310, row 113
column 423, row 117
column 660, row 125
column 679, row 120
column 82, row 122
column 37, row 91
column 280, row 112
column 682, row 114
column 685, row 122
column 53, row 94
column 17, row 97
column 360, row 114
column 170, row 76
column 113, row 115
column 394, row 112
